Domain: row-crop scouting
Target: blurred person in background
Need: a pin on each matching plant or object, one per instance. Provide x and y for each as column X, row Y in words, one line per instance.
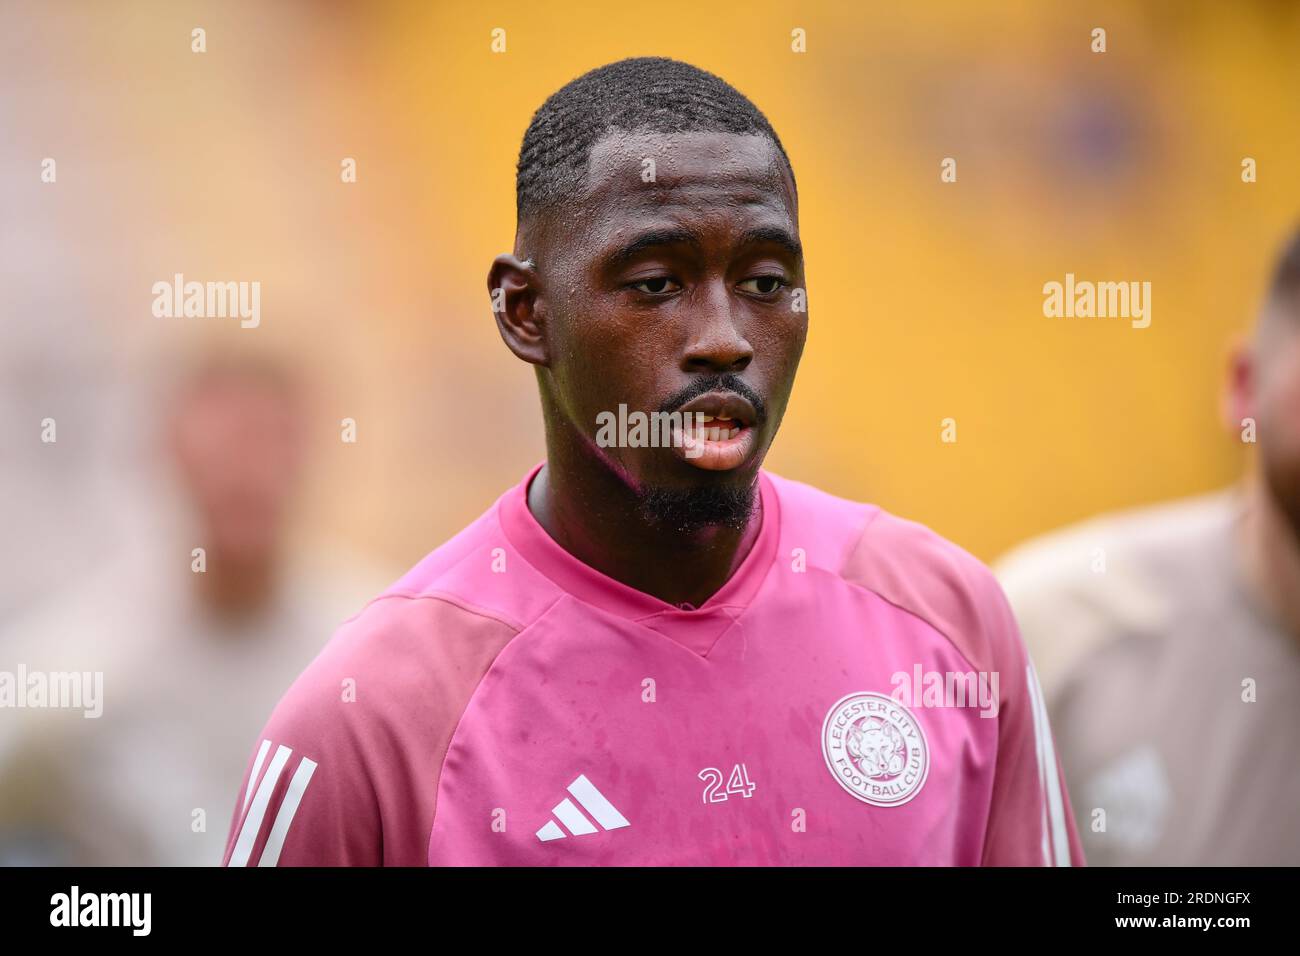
column 1168, row 640
column 194, row 648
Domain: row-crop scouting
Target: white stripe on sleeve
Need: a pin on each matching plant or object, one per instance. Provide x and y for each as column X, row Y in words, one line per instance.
column 257, row 768
column 253, row 821
column 1047, row 752
column 288, row 807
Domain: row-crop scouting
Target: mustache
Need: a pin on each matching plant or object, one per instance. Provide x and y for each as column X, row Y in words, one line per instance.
column 727, row 382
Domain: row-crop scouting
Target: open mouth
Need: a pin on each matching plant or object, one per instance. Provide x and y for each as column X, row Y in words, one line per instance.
column 717, row 432
column 703, row 427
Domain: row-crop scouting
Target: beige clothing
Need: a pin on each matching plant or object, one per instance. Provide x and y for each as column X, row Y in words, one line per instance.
column 154, row 779
column 1148, row 645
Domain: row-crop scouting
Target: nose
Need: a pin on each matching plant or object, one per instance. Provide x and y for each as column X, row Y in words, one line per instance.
column 716, row 344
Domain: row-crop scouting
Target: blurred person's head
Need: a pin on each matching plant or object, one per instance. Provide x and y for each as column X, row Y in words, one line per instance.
column 236, row 437
column 1264, row 385
column 656, row 262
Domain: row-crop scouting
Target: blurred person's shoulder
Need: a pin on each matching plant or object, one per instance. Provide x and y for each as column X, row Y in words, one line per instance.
column 905, row 563
column 1114, row 576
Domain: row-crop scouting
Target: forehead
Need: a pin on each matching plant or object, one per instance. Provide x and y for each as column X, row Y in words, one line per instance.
column 696, row 176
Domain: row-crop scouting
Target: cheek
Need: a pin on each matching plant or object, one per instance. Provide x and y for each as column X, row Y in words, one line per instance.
column 778, row 344
column 779, row 327
column 606, row 360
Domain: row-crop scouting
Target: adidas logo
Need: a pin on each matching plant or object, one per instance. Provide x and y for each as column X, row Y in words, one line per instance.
column 590, row 799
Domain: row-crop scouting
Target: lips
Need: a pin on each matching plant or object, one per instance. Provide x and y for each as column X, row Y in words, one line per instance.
column 727, row 406
column 717, row 433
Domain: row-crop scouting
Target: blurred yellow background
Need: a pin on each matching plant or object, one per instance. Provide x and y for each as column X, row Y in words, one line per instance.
column 925, row 297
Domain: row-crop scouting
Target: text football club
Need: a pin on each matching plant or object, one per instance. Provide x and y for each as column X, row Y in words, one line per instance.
column 875, row 749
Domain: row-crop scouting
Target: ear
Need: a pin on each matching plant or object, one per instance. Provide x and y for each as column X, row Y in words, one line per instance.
column 1238, row 399
column 516, row 292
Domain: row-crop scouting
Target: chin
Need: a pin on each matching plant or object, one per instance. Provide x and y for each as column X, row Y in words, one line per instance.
column 726, row 502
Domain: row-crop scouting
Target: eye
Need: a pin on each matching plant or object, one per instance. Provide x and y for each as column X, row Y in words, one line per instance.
column 762, row 285
column 656, row 285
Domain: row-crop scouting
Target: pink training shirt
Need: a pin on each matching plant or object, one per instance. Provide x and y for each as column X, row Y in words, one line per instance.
column 505, row 704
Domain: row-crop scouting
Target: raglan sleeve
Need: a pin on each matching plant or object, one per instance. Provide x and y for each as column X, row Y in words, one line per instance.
column 308, row 796
column 1030, row 821
column 347, row 769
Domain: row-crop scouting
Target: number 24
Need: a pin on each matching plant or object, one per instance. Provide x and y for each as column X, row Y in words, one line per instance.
column 739, row 782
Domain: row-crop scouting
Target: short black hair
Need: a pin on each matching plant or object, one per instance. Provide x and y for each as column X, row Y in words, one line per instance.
column 641, row 94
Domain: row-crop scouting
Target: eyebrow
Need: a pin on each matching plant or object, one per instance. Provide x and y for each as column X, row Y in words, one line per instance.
column 654, row 239
column 773, row 235
column 658, row 238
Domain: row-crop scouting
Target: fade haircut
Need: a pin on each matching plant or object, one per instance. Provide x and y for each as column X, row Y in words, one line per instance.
column 642, row 94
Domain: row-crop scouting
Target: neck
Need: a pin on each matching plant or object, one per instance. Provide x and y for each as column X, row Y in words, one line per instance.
column 595, row 517
column 234, row 589
column 1271, row 555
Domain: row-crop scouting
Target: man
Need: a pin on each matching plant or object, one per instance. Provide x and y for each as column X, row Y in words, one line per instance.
column 662, row 655
column 182, row 653
column 1169, row 640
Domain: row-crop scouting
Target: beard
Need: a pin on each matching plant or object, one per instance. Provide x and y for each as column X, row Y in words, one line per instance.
column 687, row 510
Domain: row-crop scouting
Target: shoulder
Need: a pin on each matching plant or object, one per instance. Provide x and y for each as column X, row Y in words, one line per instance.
column 480, row 571
column 401, row 657
column 1078, row 558
column 413, row 655
column 1077, row 589
column 908, row 565
column 823, row 526
column 367, row 725
column 449, row 614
